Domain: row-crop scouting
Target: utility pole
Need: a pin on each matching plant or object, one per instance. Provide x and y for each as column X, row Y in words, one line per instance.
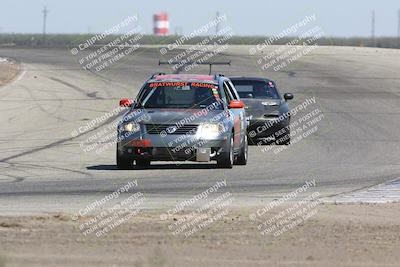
column 178, row 31
column 218, row 24
column 398, row 30
column 44, row 11
column 373, row 28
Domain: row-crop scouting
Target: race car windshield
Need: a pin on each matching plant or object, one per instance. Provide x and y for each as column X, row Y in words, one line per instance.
column 256, row 89
column 180, row 95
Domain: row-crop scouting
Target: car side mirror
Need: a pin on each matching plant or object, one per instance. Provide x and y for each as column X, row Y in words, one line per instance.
column 126, row 103
column 288, row 96
column 236, row 104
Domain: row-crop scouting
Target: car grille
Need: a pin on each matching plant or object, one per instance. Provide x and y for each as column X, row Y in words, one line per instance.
column 271, row 116
column 171, row 153
column 165, row 129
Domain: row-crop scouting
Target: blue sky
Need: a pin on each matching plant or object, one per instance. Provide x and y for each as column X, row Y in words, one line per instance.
column 252, row 17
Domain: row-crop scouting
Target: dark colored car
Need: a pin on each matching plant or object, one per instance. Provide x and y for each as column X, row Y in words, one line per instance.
column 267, row 111
column 181, row 117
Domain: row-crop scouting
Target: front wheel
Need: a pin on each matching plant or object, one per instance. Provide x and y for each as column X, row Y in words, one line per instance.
column 226, row 159
column 284, row 139
column 244, row 151
column 123, row 163
column 142, row 163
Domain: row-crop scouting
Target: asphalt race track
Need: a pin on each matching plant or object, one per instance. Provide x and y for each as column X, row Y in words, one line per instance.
column 44, row 169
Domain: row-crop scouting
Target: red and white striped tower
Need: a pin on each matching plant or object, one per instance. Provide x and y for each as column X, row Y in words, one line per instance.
column 161, row 23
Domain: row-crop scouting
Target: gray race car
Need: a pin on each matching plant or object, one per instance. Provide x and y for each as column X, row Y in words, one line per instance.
column 268, row 112
column 180, row 117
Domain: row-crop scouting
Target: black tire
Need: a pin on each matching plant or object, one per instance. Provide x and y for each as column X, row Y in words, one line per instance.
column 284, row 139
column 143, row 163
column 243, row 154
column 124, row 163
column 227, row 158
column 252, row 140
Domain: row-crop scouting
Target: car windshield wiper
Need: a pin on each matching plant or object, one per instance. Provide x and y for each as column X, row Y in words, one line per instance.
column 168, row 106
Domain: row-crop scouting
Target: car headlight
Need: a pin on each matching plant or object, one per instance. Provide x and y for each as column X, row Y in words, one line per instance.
column 130, row 127
column 211, row 129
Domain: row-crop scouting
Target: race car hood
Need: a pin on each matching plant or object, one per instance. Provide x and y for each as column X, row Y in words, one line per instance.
column 172, row 116
column 261, row 107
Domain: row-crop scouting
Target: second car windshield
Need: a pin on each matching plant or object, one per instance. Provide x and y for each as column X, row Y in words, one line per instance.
column 256, row 89
column 180, row 95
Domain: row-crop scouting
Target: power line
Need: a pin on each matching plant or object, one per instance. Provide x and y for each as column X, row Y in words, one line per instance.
column 44, row 11
column 373, row 28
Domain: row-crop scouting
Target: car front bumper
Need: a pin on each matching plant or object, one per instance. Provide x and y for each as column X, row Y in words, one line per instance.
column 172, row 147
column 263, row 128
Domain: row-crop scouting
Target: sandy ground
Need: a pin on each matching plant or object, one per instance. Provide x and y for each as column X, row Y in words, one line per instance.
column 8, row 70
column 47, row 171
column 336, row 235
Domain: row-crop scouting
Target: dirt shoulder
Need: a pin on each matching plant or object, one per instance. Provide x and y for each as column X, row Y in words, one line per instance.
column 336, row 235
column 9, row 69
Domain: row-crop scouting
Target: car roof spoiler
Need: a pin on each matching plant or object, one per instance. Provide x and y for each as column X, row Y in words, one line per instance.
column 183, row 64
column 156, row 74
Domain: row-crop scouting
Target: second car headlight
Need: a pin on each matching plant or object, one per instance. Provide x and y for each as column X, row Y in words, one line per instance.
column 130, row 127
column 211, row 129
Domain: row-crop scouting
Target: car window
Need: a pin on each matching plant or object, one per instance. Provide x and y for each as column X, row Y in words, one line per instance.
column 256, row 89
column 232, row 89
column 180, row 95
column 228, row 94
